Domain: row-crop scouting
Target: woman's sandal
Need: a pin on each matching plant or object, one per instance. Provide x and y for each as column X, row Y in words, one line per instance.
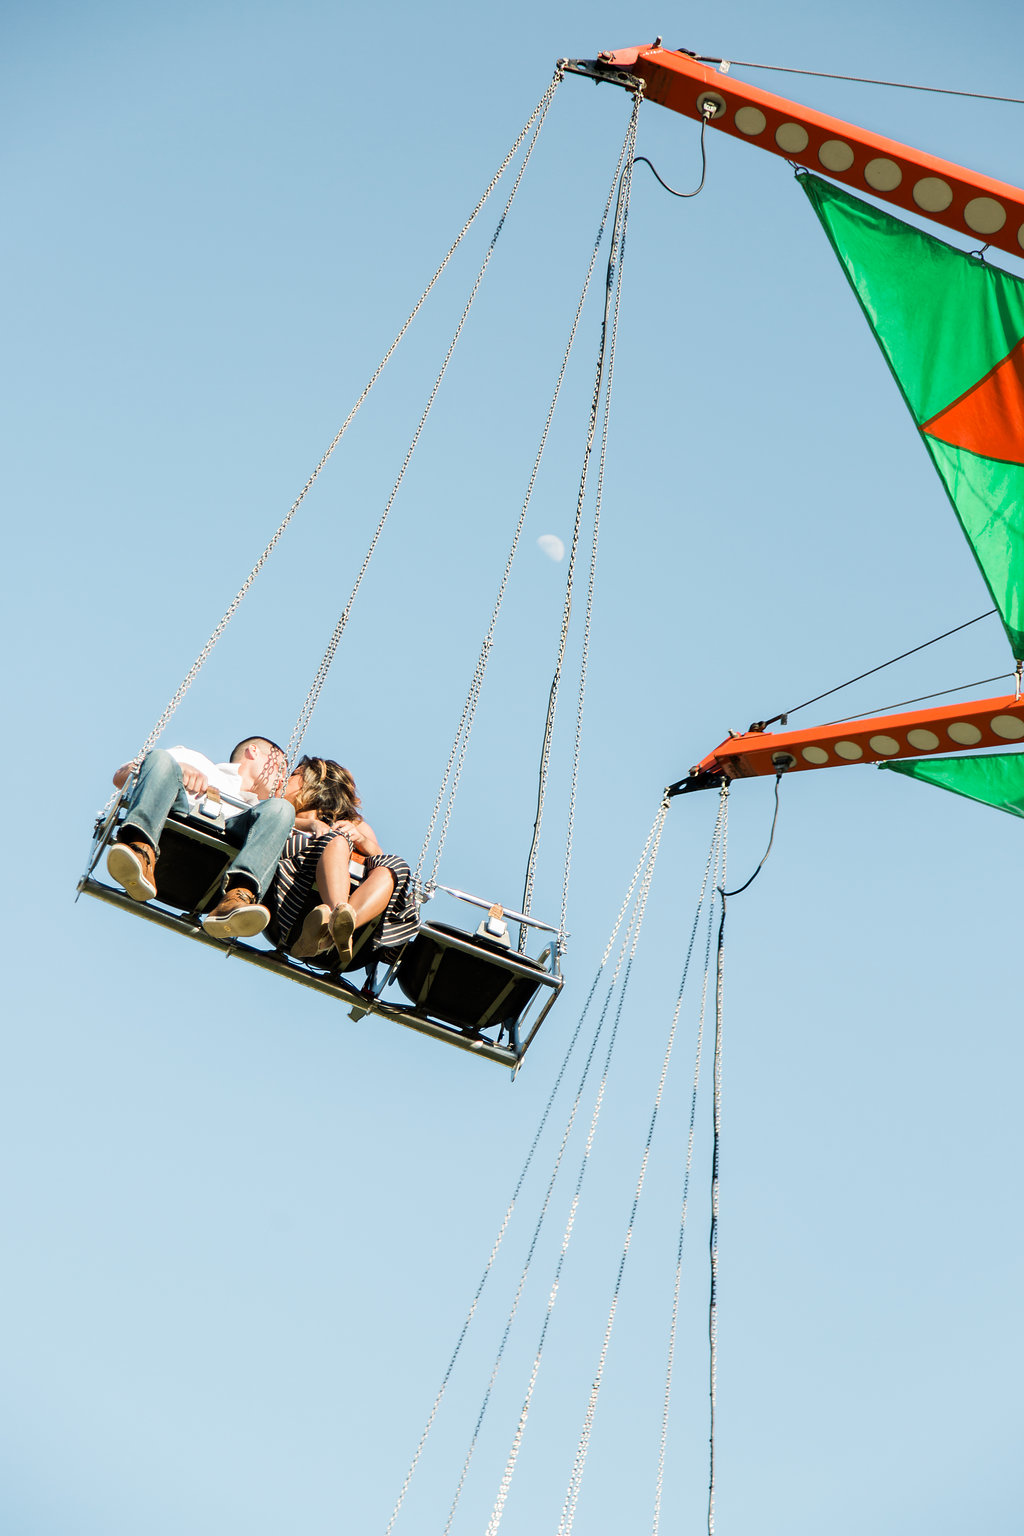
column 315, row 936
column 341, row 927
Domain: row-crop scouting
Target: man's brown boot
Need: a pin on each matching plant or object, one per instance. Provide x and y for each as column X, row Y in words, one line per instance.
column 238, row 915
column 132, row 863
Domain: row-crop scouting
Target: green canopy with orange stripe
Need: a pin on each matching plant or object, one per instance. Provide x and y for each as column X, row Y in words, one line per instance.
column 951, row 328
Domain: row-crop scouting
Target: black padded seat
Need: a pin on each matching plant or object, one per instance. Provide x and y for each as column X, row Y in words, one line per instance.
column 468, row 980
column 193, row 858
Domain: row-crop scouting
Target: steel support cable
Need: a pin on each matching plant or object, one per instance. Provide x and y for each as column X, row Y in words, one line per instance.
column 628, row 943
column 460, row 744
column 719, row 875
column 631, row 888
column 819, row 74
column 886, row 709
column 569, row 1506
column 545, row 758
column 190, row 677
column 517, row 1441
column 762, row 725
column 306, row 712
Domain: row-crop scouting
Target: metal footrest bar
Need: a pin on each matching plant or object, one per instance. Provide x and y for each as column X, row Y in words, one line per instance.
column 269, row 960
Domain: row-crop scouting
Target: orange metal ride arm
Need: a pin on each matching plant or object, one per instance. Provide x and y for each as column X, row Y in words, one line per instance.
column 963, row 200
column 979, row 723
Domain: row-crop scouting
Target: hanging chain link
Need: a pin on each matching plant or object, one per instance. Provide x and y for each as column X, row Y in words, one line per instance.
column 453, row 770
column 568, row 1517
column 614, row 267
column 598, row 498
column 305, row 714
column 631, row 940
column 641, row 864
column 197, row 665
column 714, row 860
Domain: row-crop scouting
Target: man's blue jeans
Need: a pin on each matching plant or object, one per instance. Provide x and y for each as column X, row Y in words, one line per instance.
column 259, row 833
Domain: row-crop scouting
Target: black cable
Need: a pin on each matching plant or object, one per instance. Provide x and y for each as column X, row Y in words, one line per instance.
column 741, row 888
column 782, row 719
column 716, row 1144
column 643, row 160
column 899, row 85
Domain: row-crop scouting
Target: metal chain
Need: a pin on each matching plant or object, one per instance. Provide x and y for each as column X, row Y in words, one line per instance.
column 461, row 742
column 717, row 1126
column 305, row 714
column 598, row 497
column 714, row 857
column 196, row 666
column 637, row 872
column 569, row 1506
column 626, row 944
column 640, row 909
column 581, row 495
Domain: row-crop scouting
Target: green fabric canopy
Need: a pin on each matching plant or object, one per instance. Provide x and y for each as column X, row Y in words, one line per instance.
column 996, row 780
column 951, row 328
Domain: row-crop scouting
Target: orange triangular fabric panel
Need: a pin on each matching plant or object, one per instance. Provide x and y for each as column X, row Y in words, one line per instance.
column 989, row 418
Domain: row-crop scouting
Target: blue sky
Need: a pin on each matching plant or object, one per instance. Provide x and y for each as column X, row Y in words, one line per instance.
column 242, row 1231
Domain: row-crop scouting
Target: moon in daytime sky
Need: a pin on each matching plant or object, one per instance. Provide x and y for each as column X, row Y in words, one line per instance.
column 552, row 546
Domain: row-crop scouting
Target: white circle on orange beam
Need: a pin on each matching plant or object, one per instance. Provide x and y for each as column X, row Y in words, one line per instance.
column 924, row 741
column 815, row 755
column 792, row 137
column 882, row 174
column 1009, row 727
column 835, row 155
column 751, row 121
column 932, row 194
column 963, row 733
column 984, row 215
column 849, row 751
column 885, row 746
column 1020, row 237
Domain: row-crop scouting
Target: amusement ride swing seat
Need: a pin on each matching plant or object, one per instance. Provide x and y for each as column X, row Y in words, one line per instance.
column 459, row 983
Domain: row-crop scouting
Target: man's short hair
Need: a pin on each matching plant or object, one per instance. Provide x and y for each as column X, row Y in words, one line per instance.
column 251, row 741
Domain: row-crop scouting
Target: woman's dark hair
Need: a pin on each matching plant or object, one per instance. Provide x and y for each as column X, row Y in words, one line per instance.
column 327, row 788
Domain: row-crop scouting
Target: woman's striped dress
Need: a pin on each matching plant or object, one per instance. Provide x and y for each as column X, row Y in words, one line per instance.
column 293, row 895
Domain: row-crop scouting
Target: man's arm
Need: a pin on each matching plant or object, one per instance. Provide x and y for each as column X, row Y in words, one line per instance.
column 194, row 781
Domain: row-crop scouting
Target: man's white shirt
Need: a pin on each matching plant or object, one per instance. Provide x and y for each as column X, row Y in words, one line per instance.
column 227, row 777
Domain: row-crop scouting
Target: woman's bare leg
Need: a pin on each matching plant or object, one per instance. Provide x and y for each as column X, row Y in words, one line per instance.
column 333, row 885
column 332, row 876
column 369, row 899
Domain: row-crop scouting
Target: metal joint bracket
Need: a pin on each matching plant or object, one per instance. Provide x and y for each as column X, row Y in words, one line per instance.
column 693, row 781
column 602, row 73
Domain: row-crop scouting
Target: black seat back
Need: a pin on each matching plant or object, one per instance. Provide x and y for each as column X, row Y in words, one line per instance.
column 191, row 864
column 465, row 979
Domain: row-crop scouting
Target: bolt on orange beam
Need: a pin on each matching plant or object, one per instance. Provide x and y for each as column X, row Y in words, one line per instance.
column 752, row 754
column 963, row 200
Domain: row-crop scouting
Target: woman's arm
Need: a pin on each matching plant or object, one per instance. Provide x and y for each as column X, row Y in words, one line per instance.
column 362, row 835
